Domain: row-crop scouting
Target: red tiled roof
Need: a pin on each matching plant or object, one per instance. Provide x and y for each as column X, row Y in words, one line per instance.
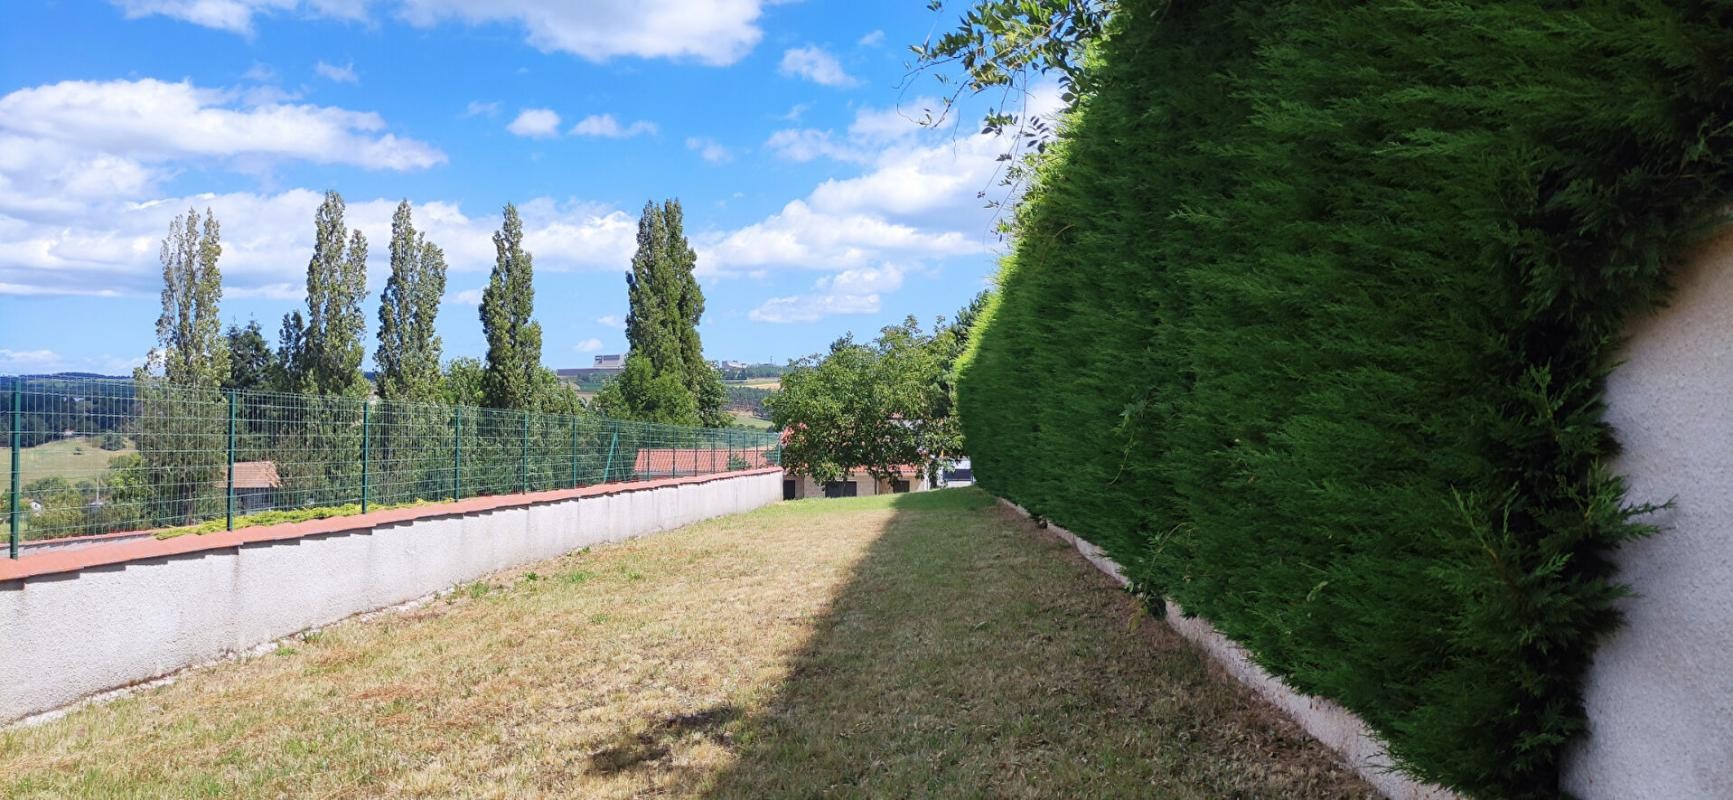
column 254, row 475
column 691, row 461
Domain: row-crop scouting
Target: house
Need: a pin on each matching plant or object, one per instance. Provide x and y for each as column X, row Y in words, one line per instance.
column 256, row 485
column 609, row 362
column 857, row 484
column 664, row 462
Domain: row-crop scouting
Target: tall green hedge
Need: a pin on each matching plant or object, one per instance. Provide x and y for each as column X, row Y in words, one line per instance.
column 1308, row 319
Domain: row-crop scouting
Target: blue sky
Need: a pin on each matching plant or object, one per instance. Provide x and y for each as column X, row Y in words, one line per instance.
column 817, row 206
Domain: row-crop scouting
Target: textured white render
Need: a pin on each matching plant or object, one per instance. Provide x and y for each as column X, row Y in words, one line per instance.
column 68, row 636
column 1660, row 692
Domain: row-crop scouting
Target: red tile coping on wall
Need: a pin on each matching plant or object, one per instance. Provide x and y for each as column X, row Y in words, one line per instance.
column 63, row 561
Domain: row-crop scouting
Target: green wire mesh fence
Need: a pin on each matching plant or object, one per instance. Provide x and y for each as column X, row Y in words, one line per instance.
column 95, row 456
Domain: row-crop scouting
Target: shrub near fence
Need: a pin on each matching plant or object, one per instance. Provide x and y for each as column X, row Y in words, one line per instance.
column 1324, row 295
column 193, row 455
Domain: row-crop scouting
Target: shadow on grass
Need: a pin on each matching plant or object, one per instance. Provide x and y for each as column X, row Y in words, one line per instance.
column 972, row 656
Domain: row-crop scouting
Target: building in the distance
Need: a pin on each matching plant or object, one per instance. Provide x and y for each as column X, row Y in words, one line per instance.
column 609, row 362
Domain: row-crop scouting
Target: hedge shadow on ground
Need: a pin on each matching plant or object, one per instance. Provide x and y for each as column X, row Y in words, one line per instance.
column 971, row 656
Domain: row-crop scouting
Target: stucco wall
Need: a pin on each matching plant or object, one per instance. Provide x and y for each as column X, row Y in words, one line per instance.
column 1660, row 693
column 65, row 636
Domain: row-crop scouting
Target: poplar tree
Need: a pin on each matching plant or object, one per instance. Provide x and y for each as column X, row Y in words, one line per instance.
column 409, row 348
column 189, row 332
column 180, row 418
column 514, row 338
column 666, row 376
column 336, row 283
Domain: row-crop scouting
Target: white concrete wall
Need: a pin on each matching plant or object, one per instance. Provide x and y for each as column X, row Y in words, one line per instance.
column 66, row 637
column 1660, row 693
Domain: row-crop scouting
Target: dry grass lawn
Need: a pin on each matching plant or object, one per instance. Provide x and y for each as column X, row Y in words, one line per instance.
column 924, row 645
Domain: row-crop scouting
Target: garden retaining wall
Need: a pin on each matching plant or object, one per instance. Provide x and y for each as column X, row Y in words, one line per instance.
column 75, row 623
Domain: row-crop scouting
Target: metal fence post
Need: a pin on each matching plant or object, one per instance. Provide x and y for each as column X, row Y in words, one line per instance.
column 366, row 473
column 457, row 452
column 525, row 474
column 13, row 514
column 608, row 470
column 574, row 419
column 229, row 498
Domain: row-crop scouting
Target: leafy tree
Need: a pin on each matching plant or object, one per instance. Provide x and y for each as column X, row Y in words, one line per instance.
column 514, row 338
column 190, row 348
column 641, row 394
column 180, row 418
column 409, row 347
column 1002, row 47
column 252, row 365
column 463, row 383
column 873, row 407
column 666, row 306
column 290, row 365
column 331, row 347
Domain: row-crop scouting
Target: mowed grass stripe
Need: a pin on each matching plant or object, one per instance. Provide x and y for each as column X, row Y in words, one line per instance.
column 911, row 646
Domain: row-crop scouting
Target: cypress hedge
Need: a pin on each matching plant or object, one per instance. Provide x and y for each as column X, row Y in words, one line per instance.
column 1308, row 319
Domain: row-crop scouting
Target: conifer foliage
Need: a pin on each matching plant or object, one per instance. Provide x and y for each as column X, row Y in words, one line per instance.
column 666, row 378
column 1323, row 296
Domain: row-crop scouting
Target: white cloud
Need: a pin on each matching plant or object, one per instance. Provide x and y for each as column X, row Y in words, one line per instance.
column 716, row 32
column 267, row 239
column 589, row 345
column 536, row 123
column 852, row 291
column 467, row 297
column 28, row 360
column 259, row 72
column 611, row 321
column 236, row 16
column 332, row 72
column 873, row 39
column 814, row 64
column 709, row 149
column 807, row 144
column 604, row 125
column 477, row 108
column 66, row 144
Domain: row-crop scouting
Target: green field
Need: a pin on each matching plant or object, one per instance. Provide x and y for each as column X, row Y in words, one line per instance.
column 750, row 421
column 75, row 459
column 758, row 383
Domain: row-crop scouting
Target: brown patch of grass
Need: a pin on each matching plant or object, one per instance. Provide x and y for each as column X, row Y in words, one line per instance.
column 921, row 645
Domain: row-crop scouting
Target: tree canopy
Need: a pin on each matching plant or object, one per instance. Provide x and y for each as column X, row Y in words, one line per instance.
column 873, row 407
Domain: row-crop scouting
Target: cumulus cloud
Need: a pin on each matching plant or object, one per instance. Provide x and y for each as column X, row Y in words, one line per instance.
column 332, row 72
column 536, row 123
column 607, row 127
column 611, row 321
column 716, row 32
column 852, row 291
column 709, row 149
column 477, row 108
column 815, row 64
column 267, row 238
column 873, row 39
column 112, row 134
column 589, row 345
